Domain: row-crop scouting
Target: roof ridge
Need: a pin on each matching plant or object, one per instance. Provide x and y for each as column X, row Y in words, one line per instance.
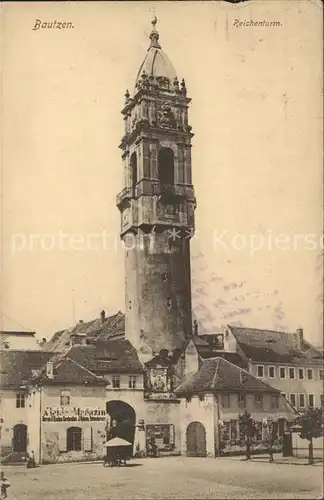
column 260, row 329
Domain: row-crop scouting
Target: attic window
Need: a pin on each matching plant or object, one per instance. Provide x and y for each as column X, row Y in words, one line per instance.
column 270, row 341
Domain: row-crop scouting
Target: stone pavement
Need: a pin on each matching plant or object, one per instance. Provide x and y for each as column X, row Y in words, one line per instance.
column 174, row 478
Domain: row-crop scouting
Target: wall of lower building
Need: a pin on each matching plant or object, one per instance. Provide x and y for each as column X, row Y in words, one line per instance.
column 11, row 416
column 192, row 409
column 55, row 442
column 293, row 386
column 165, row 413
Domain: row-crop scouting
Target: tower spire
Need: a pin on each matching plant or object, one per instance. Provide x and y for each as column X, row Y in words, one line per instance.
column 154, row 36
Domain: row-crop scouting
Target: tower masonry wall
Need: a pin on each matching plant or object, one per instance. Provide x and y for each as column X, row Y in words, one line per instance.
column 158, row 292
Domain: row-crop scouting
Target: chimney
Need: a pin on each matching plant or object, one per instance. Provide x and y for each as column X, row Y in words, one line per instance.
column 49, row 370
column 102, row 316
column 299, row 338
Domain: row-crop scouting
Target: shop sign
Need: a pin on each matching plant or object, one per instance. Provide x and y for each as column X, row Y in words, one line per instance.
column 70, row 413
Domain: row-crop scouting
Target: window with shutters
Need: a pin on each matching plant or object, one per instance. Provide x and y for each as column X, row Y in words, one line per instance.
column 73, row 439
column 311, row 400
column 116, row 382
column 310, row 374
column 282, row 371
column 258, row 399
column 293, row 399
column 260, row 371
column 291, row 372
column 241, row 400
column 301, row 374
column 132, row 382
column 271, row 372
column 20, row 400
column 302, row 400
column 274, row 403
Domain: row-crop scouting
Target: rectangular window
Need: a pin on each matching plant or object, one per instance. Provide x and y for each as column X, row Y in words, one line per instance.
column 65, row 397
column 116, row 382
column 132, row 382
column 260, row 371
column 241, row 400
column 293, row 399
column 271, row 371
column 282, row 372
column 284, row 395
column 274, row 401
column 321, row 374
column 20, row 400
column 188, row 399
column 302, row 400
column 201, row 397
column 301, row 373
column 226, row 401
column 310, row 374
column 311, row 400
column 322, row 400
column 291, row 372
column 258, row 400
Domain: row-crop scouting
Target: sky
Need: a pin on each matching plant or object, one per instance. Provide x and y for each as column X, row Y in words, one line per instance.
column 256, row 156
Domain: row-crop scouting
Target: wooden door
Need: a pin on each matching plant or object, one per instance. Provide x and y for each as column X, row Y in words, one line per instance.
column 20, row 438
column 196, row 440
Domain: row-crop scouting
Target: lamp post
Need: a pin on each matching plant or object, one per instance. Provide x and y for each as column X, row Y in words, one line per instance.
column 270, row 436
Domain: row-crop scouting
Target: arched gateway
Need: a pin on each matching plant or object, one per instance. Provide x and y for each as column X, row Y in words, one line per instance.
column 123, row 419
column 196, row 440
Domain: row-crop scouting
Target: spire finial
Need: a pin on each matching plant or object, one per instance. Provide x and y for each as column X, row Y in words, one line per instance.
column 154, row 36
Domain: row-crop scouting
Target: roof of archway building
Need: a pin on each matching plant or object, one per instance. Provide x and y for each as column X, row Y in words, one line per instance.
column 218, row 374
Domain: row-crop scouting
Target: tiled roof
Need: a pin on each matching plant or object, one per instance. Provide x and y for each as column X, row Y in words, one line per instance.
column 233, row 357
column 276, row 347
column 218, row 374
column 67, row 371
column 114, row 356
column 112, row 326
column 16, row 366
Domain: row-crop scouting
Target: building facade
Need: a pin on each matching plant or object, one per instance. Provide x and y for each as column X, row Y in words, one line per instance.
column 213, row 398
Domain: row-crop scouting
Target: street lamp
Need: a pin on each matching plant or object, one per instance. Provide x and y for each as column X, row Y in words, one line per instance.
column 270, row 435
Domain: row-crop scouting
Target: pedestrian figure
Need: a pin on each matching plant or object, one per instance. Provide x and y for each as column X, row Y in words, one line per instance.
column 31, row 463
column 4, row 485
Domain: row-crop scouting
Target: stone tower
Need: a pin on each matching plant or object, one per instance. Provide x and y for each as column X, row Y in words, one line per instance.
column 157, row 208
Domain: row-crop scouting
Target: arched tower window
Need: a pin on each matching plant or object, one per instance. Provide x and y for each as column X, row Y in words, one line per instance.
column 133, row 166
column 73, row 438
column 166, row 166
